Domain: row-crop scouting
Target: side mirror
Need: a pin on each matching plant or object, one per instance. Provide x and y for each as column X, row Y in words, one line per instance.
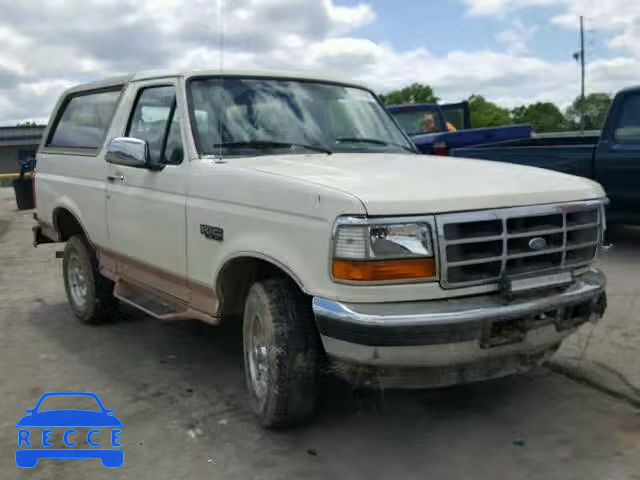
column 128, row 151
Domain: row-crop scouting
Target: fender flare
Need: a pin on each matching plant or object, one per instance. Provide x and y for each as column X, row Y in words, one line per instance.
column 71, row 208
column 259, row 256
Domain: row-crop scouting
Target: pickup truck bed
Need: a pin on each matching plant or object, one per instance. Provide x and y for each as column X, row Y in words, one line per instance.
column 568, row 153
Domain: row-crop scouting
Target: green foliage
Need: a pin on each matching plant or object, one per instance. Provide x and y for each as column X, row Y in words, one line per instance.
column 544, row 116
column 414, row 93
column 487, row 114
column 596, row 106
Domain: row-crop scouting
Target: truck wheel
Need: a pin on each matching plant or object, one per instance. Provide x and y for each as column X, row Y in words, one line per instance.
column 281, row 352
column 90, row 295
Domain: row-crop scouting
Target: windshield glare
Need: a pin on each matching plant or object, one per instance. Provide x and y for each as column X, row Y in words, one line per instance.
column 236, row 116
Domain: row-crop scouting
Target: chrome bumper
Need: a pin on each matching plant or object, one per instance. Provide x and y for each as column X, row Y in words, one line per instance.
column 456, row 331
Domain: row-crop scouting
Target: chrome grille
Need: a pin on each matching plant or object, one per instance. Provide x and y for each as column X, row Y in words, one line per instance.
column 485, row 246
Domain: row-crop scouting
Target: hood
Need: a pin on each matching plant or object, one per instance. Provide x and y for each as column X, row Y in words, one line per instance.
column 399, row 184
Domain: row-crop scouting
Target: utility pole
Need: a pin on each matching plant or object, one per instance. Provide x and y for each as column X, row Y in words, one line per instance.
column 582, row 103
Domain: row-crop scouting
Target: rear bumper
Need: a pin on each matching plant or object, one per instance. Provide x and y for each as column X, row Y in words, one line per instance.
column 462, row 331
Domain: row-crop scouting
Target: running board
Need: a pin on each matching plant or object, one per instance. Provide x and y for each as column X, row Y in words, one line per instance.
column 158, row 306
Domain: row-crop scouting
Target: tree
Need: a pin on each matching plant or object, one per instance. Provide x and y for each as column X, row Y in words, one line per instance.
column 544, row 116
column 487, row 114
column 596, row 106
column 414, row 93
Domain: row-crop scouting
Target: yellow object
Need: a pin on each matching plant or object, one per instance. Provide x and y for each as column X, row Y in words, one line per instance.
column 451, row 127
column 13, row 176
column 379, row 270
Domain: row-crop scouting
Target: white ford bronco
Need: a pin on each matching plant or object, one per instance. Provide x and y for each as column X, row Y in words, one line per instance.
column 297, row 204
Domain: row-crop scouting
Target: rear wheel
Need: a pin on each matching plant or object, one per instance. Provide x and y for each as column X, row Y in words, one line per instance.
column 90, row 294
column 281, row 352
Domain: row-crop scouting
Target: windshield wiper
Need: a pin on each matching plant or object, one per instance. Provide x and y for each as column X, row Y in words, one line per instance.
column 374, row 141
column 267, row 144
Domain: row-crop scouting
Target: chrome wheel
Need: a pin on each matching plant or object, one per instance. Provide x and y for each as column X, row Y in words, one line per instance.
column 77, row 280
column 256, row 351
column 281, row 357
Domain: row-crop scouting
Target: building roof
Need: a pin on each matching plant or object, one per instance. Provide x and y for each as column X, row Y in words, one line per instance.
column 21, row 135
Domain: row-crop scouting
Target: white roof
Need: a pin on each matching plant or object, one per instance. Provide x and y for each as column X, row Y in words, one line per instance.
column 150, row 75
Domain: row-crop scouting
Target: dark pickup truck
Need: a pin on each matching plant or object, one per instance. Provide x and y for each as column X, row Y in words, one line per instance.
column 436, row 129
column 610, row 157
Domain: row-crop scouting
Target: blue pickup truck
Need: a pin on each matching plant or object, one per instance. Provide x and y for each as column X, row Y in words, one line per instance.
column 437, row 129
column 610, row 157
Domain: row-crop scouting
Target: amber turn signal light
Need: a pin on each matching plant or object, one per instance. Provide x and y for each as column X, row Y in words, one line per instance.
column 367, row 271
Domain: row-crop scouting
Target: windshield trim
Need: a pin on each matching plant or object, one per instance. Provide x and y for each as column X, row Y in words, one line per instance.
column 191, row 111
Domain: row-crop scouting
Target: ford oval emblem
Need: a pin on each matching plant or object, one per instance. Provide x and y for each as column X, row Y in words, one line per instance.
column 537, row 244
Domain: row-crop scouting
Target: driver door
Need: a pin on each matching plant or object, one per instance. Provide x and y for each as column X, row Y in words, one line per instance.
column 146, row 209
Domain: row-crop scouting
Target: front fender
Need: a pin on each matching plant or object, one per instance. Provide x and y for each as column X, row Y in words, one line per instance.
column 66, row 203
column 279, row 263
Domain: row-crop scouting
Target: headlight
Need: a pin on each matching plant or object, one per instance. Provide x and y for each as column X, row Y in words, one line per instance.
column 371, row 251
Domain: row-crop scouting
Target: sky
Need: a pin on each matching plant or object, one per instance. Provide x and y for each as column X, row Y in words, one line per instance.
column 513, row 52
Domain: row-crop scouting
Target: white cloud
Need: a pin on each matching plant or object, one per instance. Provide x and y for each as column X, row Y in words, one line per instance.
column 620, row 18
column 85, row 40
column 502, row 7
column 517, row 38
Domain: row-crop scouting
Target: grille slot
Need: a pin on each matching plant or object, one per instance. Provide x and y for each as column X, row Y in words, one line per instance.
column 475, row 272
column 581, row 255
column 534, row 224
column 473, row 251
column 482, row 247
column 485, row 228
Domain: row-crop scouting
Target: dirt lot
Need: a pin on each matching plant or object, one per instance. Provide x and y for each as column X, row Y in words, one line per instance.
column 178, row 389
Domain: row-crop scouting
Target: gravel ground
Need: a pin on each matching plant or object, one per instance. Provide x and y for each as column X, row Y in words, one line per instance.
column 178, row 389
column 608, row 353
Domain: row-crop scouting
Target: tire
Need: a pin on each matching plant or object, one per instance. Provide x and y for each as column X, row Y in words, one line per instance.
column 281, row 353
column 89, row 294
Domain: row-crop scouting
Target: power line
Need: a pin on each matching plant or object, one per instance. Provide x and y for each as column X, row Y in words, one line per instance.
column 580, row 56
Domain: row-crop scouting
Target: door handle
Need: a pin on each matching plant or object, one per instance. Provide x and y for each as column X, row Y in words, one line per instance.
column 113, row 178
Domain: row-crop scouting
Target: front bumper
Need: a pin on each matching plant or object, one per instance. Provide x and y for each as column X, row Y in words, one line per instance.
column 458, row 331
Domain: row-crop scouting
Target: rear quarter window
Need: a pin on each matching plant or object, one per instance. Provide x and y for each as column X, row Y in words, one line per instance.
column 84, row 119
column 627, row 129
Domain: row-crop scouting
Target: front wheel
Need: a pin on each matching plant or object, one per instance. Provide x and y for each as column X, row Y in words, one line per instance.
column 281, row 352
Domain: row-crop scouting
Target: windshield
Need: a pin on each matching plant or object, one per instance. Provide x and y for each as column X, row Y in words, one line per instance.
column 65, row 402
column 240, row 116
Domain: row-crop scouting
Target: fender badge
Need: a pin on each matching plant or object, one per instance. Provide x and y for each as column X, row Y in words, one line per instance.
column 211, row 232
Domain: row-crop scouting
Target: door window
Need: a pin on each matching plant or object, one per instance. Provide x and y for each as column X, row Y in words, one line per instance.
column 84, row 120
column 156, row 120
column 628, row 127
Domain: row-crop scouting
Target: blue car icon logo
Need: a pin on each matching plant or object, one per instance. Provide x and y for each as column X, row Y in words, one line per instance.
column 36, row 429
